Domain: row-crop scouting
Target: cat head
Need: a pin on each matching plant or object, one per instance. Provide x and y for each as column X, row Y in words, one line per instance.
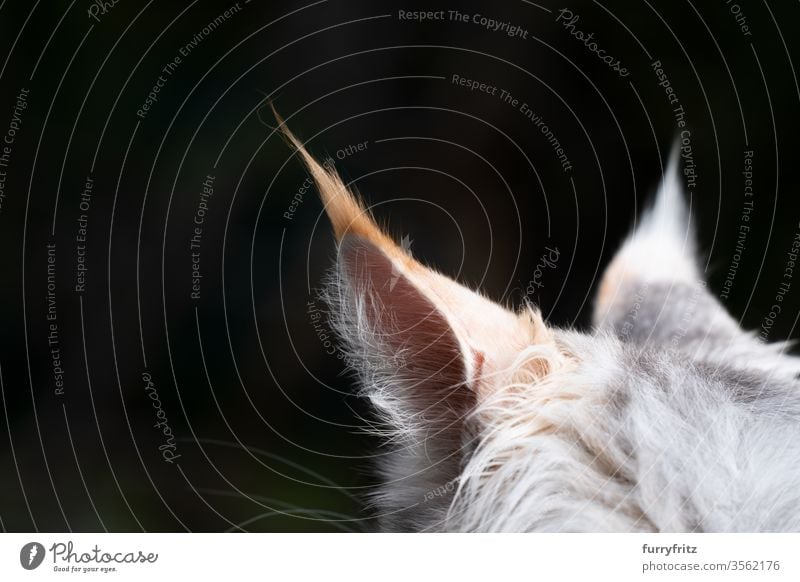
column 496, row 420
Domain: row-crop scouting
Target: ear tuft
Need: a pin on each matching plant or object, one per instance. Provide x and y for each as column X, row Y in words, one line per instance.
column 666, row 227
column 346, row 213
column 661, row 249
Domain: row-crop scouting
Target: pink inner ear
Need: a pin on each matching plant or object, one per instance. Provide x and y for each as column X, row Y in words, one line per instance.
column 432, row 368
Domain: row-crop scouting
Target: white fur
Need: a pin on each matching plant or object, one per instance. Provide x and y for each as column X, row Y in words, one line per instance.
column 667, row 417
column 662, row 246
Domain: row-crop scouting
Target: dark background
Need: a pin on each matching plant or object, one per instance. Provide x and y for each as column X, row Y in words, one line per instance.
column 270, row 434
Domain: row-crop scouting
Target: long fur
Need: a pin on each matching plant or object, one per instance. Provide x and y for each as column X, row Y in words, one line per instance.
column 667, row 417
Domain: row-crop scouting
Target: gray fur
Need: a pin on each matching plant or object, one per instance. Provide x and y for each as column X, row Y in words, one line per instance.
column 667, row 417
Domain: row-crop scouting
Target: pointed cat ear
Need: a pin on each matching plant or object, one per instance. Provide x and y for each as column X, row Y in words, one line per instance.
column 425, row 346
column 653, row 291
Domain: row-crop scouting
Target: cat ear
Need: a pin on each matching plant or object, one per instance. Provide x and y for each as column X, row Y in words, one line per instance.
column 653, row 290
column 425, row 346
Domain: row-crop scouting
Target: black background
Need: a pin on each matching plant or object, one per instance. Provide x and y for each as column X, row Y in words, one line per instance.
column 270, row 434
